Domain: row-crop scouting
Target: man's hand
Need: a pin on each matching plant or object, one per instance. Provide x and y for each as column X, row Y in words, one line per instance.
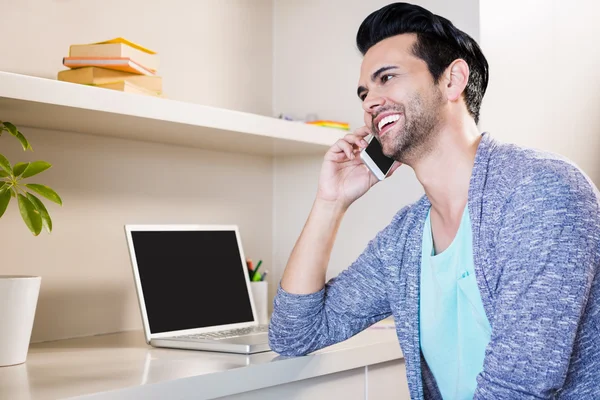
column 344, row 177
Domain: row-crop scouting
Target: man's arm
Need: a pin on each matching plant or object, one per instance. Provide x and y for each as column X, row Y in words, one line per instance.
column 307, row 314
column 337, row 310
column 547, row 250
column 313, row 249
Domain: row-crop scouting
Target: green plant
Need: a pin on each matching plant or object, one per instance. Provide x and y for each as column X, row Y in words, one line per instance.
column 32, row 209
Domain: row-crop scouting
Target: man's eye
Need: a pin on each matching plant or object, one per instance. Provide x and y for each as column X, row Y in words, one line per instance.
column 386, row 78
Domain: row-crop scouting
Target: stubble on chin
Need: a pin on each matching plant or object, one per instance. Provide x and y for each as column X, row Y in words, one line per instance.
column 417, row 135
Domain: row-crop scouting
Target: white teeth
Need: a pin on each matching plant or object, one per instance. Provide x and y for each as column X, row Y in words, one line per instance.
column 387, row 120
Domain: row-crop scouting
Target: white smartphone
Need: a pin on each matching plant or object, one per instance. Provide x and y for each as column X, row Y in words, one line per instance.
column 377, row 162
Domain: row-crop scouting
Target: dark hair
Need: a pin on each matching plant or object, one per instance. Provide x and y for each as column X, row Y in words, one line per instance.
column 438, row 43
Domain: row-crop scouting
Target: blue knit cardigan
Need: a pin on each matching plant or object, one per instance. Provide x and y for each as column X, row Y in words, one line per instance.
column 536, row 245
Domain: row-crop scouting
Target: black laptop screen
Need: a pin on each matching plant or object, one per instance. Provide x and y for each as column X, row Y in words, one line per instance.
column 191, row 279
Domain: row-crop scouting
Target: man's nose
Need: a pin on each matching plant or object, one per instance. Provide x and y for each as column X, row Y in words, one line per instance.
column 372, row 103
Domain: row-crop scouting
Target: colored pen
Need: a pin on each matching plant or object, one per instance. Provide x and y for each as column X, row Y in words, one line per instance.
column 257, row 266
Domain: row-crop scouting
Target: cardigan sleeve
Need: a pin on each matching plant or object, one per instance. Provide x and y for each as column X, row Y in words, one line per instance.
column 346, row 305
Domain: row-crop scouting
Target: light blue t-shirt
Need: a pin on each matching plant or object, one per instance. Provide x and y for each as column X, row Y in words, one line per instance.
column 454, row 329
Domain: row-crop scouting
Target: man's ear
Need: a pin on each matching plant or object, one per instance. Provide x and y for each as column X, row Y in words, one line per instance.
column 456, row 77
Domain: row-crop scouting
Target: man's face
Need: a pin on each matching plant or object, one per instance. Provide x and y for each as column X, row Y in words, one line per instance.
column 402, row 104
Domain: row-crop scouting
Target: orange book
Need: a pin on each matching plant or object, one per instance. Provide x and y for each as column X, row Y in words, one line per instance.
column 118, row 47
column 117, row 63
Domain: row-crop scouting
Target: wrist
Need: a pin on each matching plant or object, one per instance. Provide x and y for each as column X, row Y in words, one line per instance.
column 332, row 208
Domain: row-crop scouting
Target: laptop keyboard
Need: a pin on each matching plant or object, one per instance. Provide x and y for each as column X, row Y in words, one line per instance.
column 253, row 330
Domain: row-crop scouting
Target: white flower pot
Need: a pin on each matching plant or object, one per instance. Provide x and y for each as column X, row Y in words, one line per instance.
column 18, row 300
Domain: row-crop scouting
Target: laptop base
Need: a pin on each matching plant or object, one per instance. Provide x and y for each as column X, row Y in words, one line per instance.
column 241, row 345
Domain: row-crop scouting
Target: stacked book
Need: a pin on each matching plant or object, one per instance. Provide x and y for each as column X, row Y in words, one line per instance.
column 116, row 64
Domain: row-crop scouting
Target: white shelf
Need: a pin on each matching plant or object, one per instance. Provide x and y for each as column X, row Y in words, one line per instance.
column 35, row 102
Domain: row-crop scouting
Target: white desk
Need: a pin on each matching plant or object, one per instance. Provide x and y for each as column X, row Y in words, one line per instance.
column 122, row 366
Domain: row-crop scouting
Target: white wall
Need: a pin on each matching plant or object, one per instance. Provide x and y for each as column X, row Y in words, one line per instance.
column 544, row 92
column 316, row 68
column 316, row 62
column 87, row 282
column 544, row 86
column 266, row 57
column 212, row 52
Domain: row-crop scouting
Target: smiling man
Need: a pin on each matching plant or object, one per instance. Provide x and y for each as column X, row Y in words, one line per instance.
column 492, row 276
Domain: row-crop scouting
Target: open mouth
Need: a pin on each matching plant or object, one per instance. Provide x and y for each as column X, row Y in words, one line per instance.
column 387, row 123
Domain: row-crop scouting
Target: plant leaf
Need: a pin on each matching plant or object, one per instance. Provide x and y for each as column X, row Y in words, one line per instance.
column 30, row 215
column 46, row 220
column 11, row 128
column 24, row 143
column 45, row 191
column 18, row 168
column 13, row 192
column 35, row 168
column 5, row 164
column 16, row 133
column 4, row 174
column 4, row 200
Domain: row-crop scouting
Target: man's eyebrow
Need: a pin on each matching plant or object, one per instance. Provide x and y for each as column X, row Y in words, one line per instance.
column 360, row 91
column 374, row 77
column 381, row 70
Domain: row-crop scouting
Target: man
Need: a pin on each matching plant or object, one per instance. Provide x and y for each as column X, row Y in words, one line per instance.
column 492, row 276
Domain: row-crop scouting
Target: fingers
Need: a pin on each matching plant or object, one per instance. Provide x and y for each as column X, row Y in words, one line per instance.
column 342, row 157
column 349, row 145
column 343, row 146
column 362, row 132
column 356, row 140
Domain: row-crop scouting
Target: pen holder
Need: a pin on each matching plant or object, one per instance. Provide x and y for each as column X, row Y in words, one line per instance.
column 260, row 293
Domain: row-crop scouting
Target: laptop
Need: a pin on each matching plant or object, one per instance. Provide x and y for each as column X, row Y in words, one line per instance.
column 193, row 288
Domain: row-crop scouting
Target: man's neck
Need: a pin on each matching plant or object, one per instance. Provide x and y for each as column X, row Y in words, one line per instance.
column 445, row 172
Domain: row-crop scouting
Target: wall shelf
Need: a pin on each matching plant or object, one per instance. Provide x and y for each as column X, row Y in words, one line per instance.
column 43, row 103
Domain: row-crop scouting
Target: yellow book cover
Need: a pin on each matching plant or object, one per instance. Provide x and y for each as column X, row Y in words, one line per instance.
column 99, row 76
column 127, row 42
column 118, row 47
column 128, row 87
